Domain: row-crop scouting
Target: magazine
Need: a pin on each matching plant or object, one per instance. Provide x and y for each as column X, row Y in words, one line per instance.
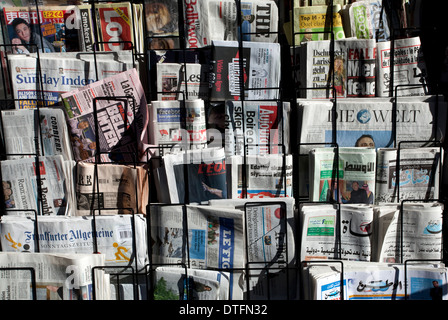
column 366, row 21
column 162, row 24
column 86, row 28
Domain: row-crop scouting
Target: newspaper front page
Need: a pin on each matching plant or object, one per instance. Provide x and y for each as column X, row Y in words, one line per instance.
column 215, row 239
column 58, row 276
column 418, row 176
column 366, row 21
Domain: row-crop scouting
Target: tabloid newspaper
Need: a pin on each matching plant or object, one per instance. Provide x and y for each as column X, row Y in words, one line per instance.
column 271, row 230
column 205, row 178
column 177, row 81
column 256, row 127
column 326, row 235
column 206, row 21
column 418, row 176
column 366, row 21
column 177, row 122
column 409, row 68
column 162, row 24
column 43, row 194
column 121, row 120
column 261, row 69
column 376, row 281
column 267, row 176
column 21, row 127
column 352, row 73
column 415, row 120
column 53, row 29
column 121, row 238
column 60, row 73
column 215, row 239
column 421, row 237
column 350, row 180
column 110, row 189
column 58, row 276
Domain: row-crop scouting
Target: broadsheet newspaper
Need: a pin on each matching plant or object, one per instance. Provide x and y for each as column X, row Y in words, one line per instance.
column 58, row 276
column 376, row 281
column 409, row 68
column 121, row 120
column 46, row 193
column 121, row 238
column 271, row 227
column 256, row 127
column 261, row 71
column 351, row 179
column 177, row 122
column 421, row 237
column 205, row 178
column 215, row 239
column 266, row 176
column 366, row 21
column 110, row 189
column 21, row 127
column 418, row 176
column 206, row 21
column 415, row 120
column 327, row 236
column 60, row 73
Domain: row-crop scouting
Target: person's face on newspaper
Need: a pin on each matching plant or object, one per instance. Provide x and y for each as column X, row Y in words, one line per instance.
column 157, row 16
column 24, row 32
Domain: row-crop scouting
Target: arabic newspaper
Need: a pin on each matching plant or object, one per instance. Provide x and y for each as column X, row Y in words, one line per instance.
column 215, row 239
column 174, row 121
column 21, row 127
column 261, row 71
column 267, row 176
column 58, row 276
column 51, row 29
column 409, row 68
column 325, row 236
column 271, row 229
column 121, row 238
column 121, row 120
column 206, row 174
column 256, row 127
column 418, row 174
column 415, row 120
column 23, row 189
column 350, row 179
column 421, row 236
column 206, row 21
column 366, row 21
column 110, row 189
column 60, row 73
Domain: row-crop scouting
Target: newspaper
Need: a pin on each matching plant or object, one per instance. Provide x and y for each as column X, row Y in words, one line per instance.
column 376, row 281
column 256, row 127
column 45, row 193
column 418, row 175
column 51, row 29
column 87, row 40
column 176, row 81
column 121, row 238
column 417, row 118
column 344, row 175
column 215, row 239
column 110, row 189
column 352, row 73
column 366, row 21
column 60, row 73
column 329, row 234
column 21, row 128
column 205, row 178
column 121, row 122
column 266, row 176
column 178, row 122
column 162, row 23
column 261, row 69
column 207, row 21
column 421, row 235
column 58, row 276
column 409, row 68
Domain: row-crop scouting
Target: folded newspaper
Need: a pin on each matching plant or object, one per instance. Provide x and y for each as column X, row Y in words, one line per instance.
column 215, row 239
column 115, row 108
column 418, row 176
column 121, row 238
column 368, row 20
